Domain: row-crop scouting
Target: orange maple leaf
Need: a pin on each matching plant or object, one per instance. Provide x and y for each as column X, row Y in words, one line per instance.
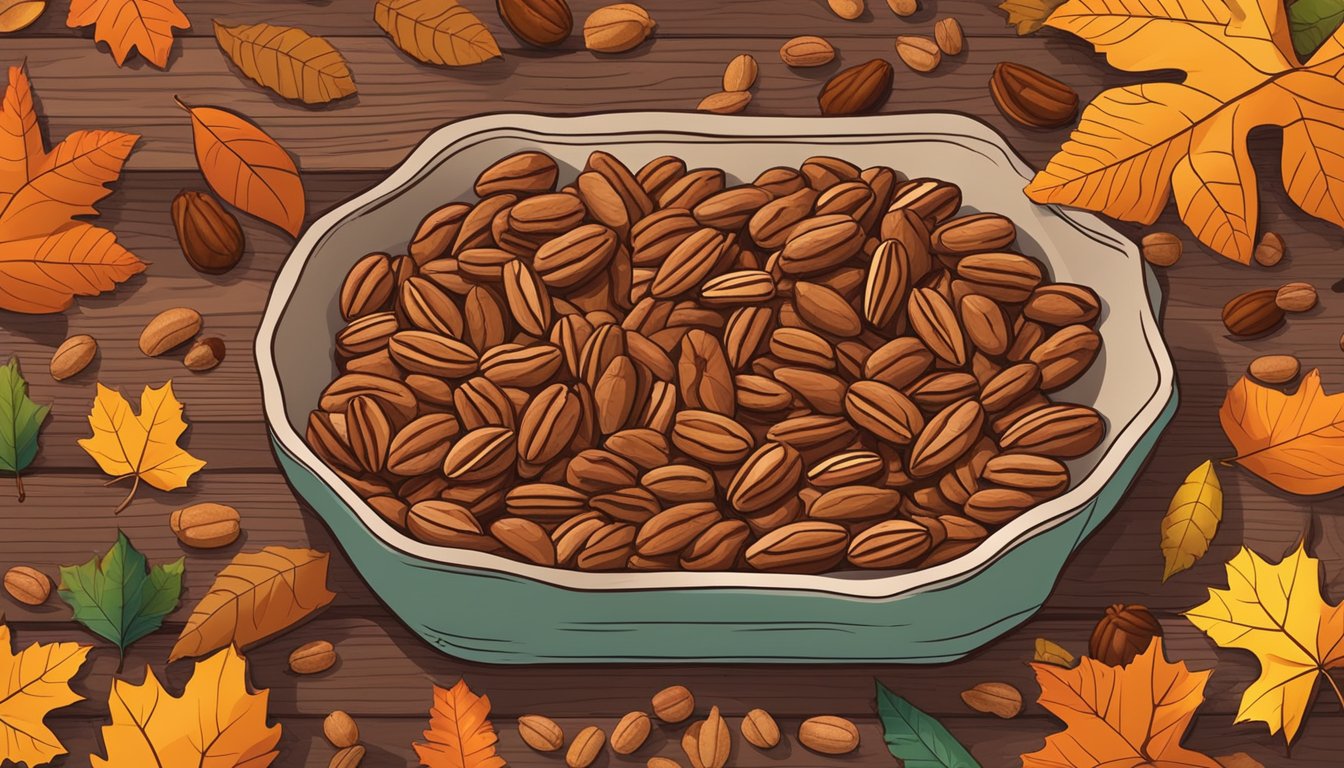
column 1294, row 441
column 47, row 257
column 1129, row 716
column 125, row 24
column 460, row 734
column 1136, row 143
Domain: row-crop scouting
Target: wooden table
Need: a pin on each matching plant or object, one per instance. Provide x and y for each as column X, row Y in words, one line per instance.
column 385, row 672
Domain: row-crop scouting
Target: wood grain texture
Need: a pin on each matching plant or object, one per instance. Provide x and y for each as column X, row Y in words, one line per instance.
column 994, row 743
column 676, row 18
column 385, row 673
column 400, row 101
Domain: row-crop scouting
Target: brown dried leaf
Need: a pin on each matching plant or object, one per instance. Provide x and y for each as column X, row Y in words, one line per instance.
column 436, row 31
column 17, row 14
column 258, row 595
column 287, row 60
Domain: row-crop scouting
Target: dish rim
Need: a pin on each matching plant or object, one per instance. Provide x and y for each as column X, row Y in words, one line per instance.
column 645, row 125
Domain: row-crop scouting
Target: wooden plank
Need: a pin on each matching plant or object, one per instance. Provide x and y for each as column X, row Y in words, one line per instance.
column 994, row 743
column 68, row 519
column 401, row 101
column 385, row 670
column 222, row 404
column 225, row 402
column 675, row 18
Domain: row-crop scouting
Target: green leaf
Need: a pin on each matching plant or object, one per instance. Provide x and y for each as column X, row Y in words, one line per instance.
column 1312, row 23
column 917, row 739
column 116, row 599
column 20, row 420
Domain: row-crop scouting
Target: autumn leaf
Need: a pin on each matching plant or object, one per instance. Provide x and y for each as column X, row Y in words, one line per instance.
column 1053, row 653
column 33, row 682
column 144, row 446
column 215, row 723
column 18, row 14
column 1138, row 143
column 1276, row 612
column 20, row 421
column 1192, row 519
column 915, row 738
column 115, row 597
column 258, row 595
column 47, row 258
column 125, row 24
column 1123, row 716
column 1294, row 441
column 436, row 31
column 287, row 60
column 247, row 168
column 1312, row 22
column 1029, row 15
column 460, row 734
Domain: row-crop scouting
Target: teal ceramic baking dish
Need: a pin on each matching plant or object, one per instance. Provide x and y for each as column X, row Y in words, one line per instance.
column 485, row 608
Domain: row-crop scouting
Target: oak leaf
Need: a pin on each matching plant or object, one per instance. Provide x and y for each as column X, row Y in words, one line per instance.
column 436, row 31
column 47, row 257
column 143, row 446
column 20, row 421
column 1029, row 15
column 287, row 60
column 247, row 167
column 1276, row 611
column 1192, row 519
column 216, row 722
column 33, row 682
column 1294, row 441
column 18, row 14
column 1135, row 715
column 119, row 597
column 460, row 734
column 146, row 25
column 257, row 595
column 1136, row 144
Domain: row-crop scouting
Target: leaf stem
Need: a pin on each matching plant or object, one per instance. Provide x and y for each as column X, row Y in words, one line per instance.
column 18, row 483
column 126, row 502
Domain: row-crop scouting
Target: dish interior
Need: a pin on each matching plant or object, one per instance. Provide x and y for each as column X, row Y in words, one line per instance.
column 1124, row 384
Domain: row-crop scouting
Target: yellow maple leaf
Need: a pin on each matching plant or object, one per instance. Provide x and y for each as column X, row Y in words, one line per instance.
column 143, row 446
column 214, row 723
column 1131, row 716
column 1136, row 143
column 32, row 683
column 1276, row 612
column 460, row 734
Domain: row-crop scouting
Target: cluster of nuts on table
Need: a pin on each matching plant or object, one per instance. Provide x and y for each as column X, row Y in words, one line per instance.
column 706, row 743
column 1253, row 313
column 1025, row 95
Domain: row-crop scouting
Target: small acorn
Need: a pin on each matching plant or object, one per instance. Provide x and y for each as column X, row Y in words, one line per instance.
column 1123, row 633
